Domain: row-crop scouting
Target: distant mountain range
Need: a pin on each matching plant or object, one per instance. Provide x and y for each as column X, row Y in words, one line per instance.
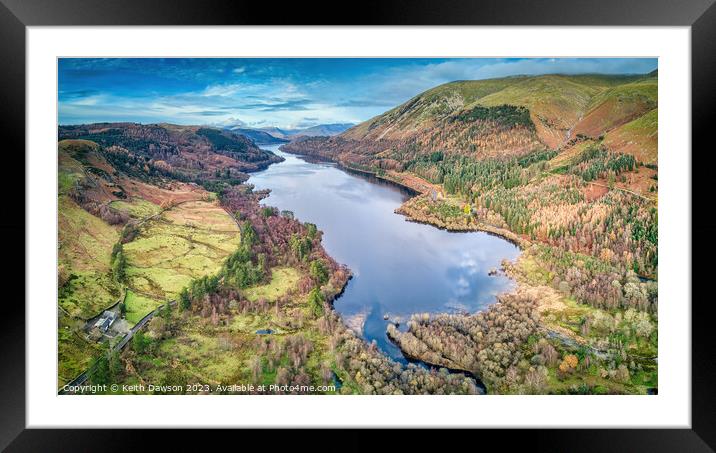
column 273, row 135
column 258, row 136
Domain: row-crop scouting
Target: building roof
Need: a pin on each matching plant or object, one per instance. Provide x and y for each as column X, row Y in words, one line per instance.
column 107, row 318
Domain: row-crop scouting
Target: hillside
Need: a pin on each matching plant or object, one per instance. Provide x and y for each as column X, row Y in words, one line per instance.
column 568, row 161
column 321, row 130
column 135, row 224
column 564, row 166
column 259, row 137
column 498, row 117
column 98, row 205
column 185, row 153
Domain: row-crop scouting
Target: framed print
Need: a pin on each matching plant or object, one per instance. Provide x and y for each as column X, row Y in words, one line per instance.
column 399, row 224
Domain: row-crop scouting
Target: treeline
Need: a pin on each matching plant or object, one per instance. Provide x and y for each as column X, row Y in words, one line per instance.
column 504, row 115
column 224, row 141
column 593, row 281
column 486, row 344
column 467, row 176
column 511, row 349
column 368, row 370
column 598, row 162
column 617, row 227
column 269, row 239
column 244, row 267
column 118, row 263
column 135, row 138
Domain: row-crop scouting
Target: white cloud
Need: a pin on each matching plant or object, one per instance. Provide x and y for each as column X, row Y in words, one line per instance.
column 283, row 101
column 222, row 90
column 230, row 122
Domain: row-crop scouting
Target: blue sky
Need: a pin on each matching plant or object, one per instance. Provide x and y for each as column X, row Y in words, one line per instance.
column 278, row 92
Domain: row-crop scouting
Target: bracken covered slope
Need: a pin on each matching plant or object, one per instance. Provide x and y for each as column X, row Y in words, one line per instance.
column 187, row 153
column 503, row 117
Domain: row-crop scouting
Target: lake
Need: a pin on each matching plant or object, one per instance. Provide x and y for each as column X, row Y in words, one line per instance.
column 399, row 267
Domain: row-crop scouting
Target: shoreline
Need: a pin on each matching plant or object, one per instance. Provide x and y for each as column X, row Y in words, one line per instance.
column 348, row 168
column 502, row 233
column 416, row 193
column 549, row 302
column 403, row 210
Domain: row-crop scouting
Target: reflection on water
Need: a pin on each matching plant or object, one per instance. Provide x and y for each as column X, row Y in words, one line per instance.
column 399, row 267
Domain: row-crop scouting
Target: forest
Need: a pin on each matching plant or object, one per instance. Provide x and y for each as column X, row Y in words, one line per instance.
column 552, row 206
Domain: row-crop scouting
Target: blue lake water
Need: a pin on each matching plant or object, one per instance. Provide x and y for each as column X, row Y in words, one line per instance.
column 399, row 267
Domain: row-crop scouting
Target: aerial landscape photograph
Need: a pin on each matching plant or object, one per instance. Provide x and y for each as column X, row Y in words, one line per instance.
column 357, row 226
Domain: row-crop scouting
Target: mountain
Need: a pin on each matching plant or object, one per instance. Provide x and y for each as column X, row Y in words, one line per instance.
column 186, row 153
column 258, row 136
column 505, row 117
column 321, row 130
column 275, row 132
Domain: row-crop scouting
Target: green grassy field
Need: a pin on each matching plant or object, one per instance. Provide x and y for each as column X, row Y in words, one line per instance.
column 188, row 241
column 67, row 179
column 138, row 306
column 282, row 279
column 556, row 97
column 88, row 293
column 224, row 353
column 69, row 169
column 205, row 353
column 639, row 91
column 84, row 254
column 136, row 208
column 640, row 136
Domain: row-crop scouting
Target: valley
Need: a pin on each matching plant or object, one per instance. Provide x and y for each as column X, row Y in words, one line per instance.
column 520, row 255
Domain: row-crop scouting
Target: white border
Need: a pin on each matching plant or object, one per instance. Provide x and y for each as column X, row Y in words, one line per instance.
column 671, row 408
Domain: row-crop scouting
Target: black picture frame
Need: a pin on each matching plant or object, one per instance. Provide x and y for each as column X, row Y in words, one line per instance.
column 16, row 15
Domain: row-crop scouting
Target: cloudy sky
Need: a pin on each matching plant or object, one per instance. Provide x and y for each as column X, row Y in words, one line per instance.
column 278, row 92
